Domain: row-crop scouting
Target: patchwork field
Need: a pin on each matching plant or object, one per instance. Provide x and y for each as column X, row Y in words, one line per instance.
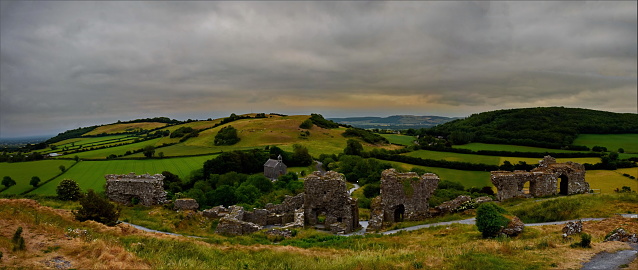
column 90, row 174
column 608, row 181
column 117, row 150
column 629, row 142
column 21, row 172
column 124, row 127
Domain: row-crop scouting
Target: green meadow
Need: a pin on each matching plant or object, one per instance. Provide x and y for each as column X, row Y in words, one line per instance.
column 467, row 178
column 90, row 174
column 489, row 160
column 608, row 181
column 21, row 172
column 399, row 139
column 629, row 142
column 117, row 150
column 507, row 147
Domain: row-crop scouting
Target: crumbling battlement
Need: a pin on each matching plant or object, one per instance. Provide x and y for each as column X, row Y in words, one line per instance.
column 549, row 178
column 328, row 203
column 147, row 188
column 404, row 196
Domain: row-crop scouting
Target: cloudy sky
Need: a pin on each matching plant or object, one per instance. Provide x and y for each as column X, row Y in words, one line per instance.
column 70, row 64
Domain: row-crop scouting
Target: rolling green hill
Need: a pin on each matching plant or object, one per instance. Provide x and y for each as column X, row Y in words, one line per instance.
column 544, row 127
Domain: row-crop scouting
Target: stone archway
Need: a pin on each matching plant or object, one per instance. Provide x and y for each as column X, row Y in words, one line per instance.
column 399, row 213
column 563, row 185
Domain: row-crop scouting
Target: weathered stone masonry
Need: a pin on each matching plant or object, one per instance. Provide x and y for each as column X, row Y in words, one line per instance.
column 147, row 188
column 327, row 196
column 549, row 178
column 404, row 196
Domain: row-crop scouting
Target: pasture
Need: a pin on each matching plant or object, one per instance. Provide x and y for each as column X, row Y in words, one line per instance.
column 21, row 172
column 629, row 142
column 489, row 160
column 117, row 150
column 399, row 139
column 507, row 147
column 608, row 181
column 124, row 127
column 467, row 178
column 90, row 174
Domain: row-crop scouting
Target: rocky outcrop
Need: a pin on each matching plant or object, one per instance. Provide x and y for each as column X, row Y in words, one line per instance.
column 621, row 235
column 125, row 188
column 215, row 212
column 572, row 228
column 568, row 178
column 186, row 204
column 514, row 227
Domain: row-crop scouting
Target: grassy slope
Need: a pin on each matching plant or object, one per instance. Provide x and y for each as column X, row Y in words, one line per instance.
column 629, row 142
column 21, row 172
column 506, row 147
column 124, row 127
column 466, row 178
column 90, row 174
column 117, row 150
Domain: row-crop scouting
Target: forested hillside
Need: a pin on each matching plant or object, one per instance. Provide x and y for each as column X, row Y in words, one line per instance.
column 547, row 127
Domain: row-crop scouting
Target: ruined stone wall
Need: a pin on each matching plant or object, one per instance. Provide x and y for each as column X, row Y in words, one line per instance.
column 327, row 196
column 404, row 196
column 147, row 188
column 547, row 179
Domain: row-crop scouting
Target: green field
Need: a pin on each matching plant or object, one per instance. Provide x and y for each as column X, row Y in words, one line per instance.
column 629, row 142
column 507, row 147
column 467, row 178
column 489, row 160
column 90, row 174
column 608, row 181
column 21, row 172
column 399, row 139
column 117, row 150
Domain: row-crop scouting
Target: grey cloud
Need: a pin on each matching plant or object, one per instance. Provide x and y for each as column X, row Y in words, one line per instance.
column 119, row 60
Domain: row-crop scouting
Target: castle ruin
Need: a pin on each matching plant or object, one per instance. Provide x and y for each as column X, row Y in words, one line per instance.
column 549, row 178
column 404, row 196
column 146, row 188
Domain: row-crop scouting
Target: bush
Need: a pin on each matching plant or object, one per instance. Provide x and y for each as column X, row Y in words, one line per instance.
column 18, row 240
column 8, row 181
column 68, row 190
column 307, row 124
column 227, row 136
column 489, row 219
column 585, row 241
column 371, row 190
column 97, row 209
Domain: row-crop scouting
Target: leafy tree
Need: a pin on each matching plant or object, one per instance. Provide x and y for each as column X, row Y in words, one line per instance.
column 353, row 147
column 160, row 154
column 307, row 124
column 35, row 181
column 247, row 193
column 223, row 195
column 599, row 149
column 260, row 182
column 96, row 208
column 148, row 151
column 68, row 190
column 76, row 158
column 371, row 190
column 621, row 150
column 300, row 156
column 7, row 181
column 227, row 136
column 489, row 219
column 62, row 168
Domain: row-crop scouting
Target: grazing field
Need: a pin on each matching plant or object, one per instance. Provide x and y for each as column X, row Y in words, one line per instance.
column 467, row 178
column 511, row 148
column 194, row 125
column 89, row 140
column 90, row 174
column 124, row 127
column 489, row 160
column 629, row 142
column 608, row 181
column 399, row 139
column 21, row 172
column 117, row 150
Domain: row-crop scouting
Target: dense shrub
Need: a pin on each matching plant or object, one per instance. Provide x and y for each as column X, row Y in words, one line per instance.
column 490, row 219
column 318, row 120
column 227, row 136
column 68, row 190
column 96, row 208
column 18, row 240
column 307, row 124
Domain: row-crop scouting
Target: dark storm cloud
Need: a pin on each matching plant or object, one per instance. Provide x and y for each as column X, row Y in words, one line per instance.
column 65, row 64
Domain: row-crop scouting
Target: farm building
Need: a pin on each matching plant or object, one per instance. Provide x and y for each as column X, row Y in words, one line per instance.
column 274, row 168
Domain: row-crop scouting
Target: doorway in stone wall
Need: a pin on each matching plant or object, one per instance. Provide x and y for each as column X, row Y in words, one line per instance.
column 399, row 212
column 563, row 185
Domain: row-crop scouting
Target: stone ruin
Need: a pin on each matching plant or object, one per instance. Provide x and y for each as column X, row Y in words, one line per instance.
column 186, row 205
column 123, row 188
column 328, row 203
column 549, row 178
column 325, row 203
column 404, row 196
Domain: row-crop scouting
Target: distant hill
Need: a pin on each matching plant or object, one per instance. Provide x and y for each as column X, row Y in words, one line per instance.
column 395, row 121
column 544, row 126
